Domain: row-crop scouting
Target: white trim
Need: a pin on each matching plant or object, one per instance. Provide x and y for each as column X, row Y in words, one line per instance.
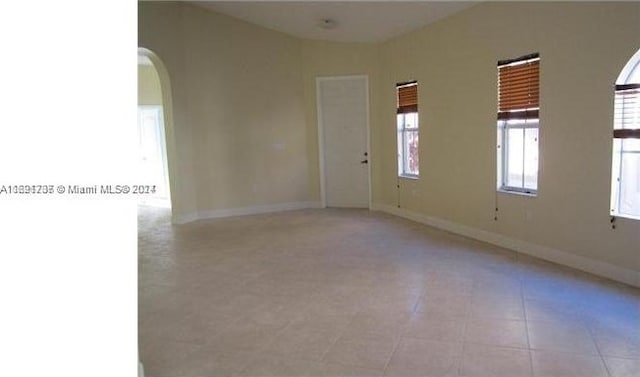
column 368, row 156
column 243, row 211
column 628, row 68
column 323, row 193
column 593, row 266
column 184, row 218
column 626, row 216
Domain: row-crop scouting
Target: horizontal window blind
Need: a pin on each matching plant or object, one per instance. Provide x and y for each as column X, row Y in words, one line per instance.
column 519, row 88
column 627, row 111
column 407, row 97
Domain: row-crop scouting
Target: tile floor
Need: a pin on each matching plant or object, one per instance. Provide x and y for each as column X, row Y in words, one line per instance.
column 358, row 293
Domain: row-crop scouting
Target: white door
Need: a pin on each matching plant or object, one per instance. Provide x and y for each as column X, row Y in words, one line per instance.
column 343, row 106
column 152, row 163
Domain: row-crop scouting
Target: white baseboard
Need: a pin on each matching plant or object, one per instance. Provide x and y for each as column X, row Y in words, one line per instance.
column 185, row 218
column 593, row 266
column 242, row 211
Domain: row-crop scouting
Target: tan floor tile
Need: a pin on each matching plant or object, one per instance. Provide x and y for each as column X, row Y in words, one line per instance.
column 498, row 284
column 557, row 286
column 545, row 310
column 559, row 364
column 215, row 294
column 390, row 324
column 276, row 314
column 420, row 357
column 303, row 342
column 322, row 320
column 560, row 336
column 267, row 366
column 488, row 361
column 341, row 370
column 336, row 306
column 497, row 306
column 497, row 332
column 424, row 326
column 213, row 362
column 444, row 306
column 449, row 284
column 280, row 287
column 245, row 336
column 363, row 351
column 166, row 358
column 618, row 341
column 619, row 367
column 189, row 329
column 172, row 359
column 389, row 303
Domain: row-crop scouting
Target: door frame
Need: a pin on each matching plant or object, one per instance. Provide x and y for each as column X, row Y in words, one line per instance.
column 322, row 172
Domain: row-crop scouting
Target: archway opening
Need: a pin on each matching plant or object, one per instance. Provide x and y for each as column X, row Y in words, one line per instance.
column 152, row 130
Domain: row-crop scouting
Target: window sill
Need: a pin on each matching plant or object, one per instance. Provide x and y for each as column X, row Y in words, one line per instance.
column 625, row 216
column 520, row 193
column 414, row 177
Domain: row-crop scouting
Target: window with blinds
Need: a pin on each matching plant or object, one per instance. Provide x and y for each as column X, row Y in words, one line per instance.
column 625, row 177
column 519, row 88
column 407, row 97
column 627, row 111
column 408, row 131
column 518, row 124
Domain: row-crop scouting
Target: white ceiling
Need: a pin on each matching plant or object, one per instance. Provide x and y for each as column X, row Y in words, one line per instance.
column 355, row 21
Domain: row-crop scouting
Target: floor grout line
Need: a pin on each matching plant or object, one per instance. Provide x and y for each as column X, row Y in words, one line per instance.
column 595, row 342
column 467, row 318
column 395, row 348
column 526, row 327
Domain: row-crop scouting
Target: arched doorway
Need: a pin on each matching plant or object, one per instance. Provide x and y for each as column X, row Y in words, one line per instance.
column 155, row 130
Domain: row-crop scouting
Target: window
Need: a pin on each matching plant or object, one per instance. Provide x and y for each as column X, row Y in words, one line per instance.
column 408, row 131
column 625, row 185
column 518, row 124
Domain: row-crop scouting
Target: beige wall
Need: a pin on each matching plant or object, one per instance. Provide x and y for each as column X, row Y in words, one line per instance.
column 149, row 92
column 238, row 107
column 583, row 47
column 246, row 129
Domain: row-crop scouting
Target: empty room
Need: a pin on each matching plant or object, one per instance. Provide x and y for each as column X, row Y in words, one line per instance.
column 486, row 221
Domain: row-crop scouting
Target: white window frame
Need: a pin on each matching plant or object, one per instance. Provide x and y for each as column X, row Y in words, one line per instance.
column 616, row 182
column 403, row 154
column 626, row 77
column 503, row 154
column 518, row 122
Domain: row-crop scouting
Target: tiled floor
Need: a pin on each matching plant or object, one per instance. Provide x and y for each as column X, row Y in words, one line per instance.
column 359, row 293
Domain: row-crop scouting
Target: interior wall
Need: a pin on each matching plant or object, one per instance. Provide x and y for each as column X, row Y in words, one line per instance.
column 149, row 92
column 583, row 47
column 238, row 106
